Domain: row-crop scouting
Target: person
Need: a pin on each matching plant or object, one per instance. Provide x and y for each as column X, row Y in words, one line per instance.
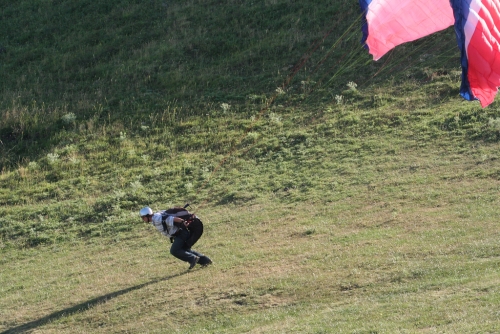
column 176, row 223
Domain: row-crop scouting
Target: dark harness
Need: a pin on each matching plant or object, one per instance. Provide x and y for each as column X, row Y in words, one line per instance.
column 165, row 228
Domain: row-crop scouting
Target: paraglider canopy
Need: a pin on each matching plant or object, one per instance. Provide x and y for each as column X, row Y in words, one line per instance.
column 389, row 23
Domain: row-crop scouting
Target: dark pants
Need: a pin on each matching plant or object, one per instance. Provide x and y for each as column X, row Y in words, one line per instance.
column 180, row 250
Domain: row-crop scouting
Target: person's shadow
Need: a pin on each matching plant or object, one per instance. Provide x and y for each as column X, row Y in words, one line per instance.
column 82, row 306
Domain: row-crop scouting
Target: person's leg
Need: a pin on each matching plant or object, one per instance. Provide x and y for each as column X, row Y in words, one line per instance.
column 178, row 248
column 204, row 260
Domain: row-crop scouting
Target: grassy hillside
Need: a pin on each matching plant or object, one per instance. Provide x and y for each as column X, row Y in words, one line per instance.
column 339, row 195
column 105, row 61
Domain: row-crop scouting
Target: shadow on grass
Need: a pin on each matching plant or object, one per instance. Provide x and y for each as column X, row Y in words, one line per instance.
column 82, row 307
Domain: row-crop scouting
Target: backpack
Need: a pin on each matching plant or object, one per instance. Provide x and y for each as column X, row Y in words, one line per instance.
column 195, row 227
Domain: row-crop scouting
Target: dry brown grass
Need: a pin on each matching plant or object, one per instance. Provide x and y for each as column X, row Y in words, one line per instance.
column 285, row 269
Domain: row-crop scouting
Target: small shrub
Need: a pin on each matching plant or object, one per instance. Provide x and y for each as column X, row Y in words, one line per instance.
column 225, row 107
column 52, row 158
column 33, row 165
column 68, row 118
column 352, row 85
column 339, row 99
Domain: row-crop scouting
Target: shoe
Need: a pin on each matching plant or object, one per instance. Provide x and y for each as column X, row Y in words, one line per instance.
column 194, row 262
column 206, row 264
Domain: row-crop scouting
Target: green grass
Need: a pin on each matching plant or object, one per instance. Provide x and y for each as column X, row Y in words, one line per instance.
column 339, row 195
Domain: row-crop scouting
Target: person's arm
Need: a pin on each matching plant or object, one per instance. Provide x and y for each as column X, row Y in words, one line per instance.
column 180, row 223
